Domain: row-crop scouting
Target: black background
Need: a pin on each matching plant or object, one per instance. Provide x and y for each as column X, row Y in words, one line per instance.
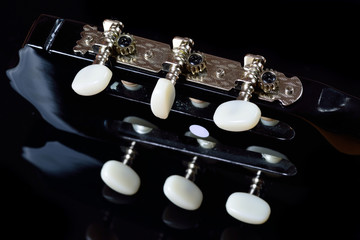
column 318, row 39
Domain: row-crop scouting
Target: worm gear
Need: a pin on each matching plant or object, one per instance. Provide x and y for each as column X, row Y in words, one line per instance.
column 268, row 81
column 196, row 63
column 126, row 45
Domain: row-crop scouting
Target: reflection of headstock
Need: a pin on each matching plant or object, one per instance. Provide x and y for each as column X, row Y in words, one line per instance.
column 181, row 190
column 206, row 119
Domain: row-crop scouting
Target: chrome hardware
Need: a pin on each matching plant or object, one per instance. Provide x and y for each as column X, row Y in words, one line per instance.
column 200, row 68
column 126, row 44
column 110, row 39
column 181, row 51
column 89, row 37
column 268, row 81
column 196, row 63
column 192, row 169
column 253, row 66
column 130, row 154
column 288, row 90
column 256, row 186
column 149, row 54
column 99, row 43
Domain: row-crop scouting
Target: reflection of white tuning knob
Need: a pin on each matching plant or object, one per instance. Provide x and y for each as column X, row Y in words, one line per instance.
column 237, row 115
column 120, row 177
column 271, row 156
column 162, row 98
column 248, row 208
column 183, row 192
column 91, row 79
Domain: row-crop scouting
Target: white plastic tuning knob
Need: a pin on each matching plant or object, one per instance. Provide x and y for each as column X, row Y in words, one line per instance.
column 91, row 79
column 120, row 177
column 183, row 192
column 248, row 208
column 237, row 115
column 162, row 98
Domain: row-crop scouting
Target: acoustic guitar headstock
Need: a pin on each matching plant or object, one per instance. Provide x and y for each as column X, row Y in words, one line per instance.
column 183, row 61
column 174, row 97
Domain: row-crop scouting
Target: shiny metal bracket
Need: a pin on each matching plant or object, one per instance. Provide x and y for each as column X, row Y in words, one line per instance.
column 219, row 73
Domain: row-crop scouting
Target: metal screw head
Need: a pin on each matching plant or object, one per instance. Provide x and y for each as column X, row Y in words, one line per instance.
column 289, row 90
column 220, row 73
column 148, row 54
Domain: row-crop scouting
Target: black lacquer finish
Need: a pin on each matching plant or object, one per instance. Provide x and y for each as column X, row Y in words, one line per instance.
column 57, row 141
column 322, row 105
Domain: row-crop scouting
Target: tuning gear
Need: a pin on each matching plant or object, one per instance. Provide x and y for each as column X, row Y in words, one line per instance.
column 196, row 63
column 94, row 78
column 268, row 81
column 126, row 45
column 163, row 95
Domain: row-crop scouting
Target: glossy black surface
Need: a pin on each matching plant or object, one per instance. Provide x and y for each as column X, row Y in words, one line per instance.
column 322, row 105
column 51, row 188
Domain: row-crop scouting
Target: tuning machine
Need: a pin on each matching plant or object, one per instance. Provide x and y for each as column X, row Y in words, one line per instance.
column 240, row 114
column 163, row 95
column 155, row 58
column 95, row 78
column 118, row 175
column 182, row 190
column 248, row 207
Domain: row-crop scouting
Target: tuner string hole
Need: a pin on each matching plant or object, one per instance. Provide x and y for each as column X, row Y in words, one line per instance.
column 130, row 85
column 269, row 122
column 199, row 103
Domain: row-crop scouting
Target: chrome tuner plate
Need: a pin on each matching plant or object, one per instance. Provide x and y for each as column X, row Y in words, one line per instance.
column 219, row 73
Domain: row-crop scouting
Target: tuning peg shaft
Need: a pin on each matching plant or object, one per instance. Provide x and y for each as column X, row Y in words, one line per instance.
column 163, row 95
column 94, row 78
